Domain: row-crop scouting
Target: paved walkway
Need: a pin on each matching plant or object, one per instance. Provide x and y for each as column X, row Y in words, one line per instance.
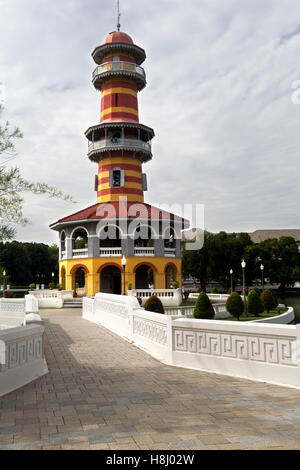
column 104, row 393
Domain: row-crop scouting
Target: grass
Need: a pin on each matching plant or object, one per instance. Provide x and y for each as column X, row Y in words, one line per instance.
column 272, row 313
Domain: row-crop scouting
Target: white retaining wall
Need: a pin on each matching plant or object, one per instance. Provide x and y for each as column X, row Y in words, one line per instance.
column 257, row 351
column 21, row 357
column 12, row 313
column 51, row 298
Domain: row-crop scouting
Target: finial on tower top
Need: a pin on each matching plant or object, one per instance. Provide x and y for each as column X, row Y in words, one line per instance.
column 119, row 15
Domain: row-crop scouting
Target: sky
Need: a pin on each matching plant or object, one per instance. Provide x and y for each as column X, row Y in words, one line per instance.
column 220, row 96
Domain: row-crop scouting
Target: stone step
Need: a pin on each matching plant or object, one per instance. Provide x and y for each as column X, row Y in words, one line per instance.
column 72, row 304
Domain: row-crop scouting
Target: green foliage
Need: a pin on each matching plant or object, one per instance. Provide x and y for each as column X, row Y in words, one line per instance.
column 254, row 303
column 153, row 304
column 235, row 305
column 13, row 185
column 51, row 285
column 31, row 286
column 129, row 286
column 203, row 308
column 199, row 290
column 229, row 291
column 24, row 261
column 175, row 284
column 268, row 300
column 214, row 290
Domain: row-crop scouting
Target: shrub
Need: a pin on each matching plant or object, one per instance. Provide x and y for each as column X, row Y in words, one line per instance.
column 203, row 308
column 7, row 294
column 175, row 284
column 51, row 285
column 31, row 286
column 199, row 290
column 254, row 303
column 268, row 300
column 130, row 286
column 229, row 291
column 153, row 304
column 235, row 305
column 214, row 290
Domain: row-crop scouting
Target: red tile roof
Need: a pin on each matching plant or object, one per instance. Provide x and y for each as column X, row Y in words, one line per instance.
column 115, row 210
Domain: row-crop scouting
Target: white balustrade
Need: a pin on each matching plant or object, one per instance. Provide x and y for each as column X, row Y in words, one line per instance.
column 80, row 253
column 115, row 143
column 144, row 251
column 171, row 252
column 110, row 251
column 256, row 351
column 119, row 66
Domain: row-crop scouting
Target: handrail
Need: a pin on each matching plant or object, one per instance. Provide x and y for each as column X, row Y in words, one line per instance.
column 115, row 142
column 119, row 66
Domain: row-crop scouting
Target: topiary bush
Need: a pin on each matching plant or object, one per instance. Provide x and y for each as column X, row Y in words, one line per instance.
column 153, row 304
column 254, row 303
column 203, row 308
column 175, row 284
column 268, row 300
column 235, row 305
column 31, row 286
column 214, row 290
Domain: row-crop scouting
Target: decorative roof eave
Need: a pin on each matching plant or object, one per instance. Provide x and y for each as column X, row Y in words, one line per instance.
column 109, row 125
column 99, row 79
column 95, row 155
column 99, row 52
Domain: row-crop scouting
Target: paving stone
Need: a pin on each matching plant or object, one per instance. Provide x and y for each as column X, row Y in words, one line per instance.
column 104, row 393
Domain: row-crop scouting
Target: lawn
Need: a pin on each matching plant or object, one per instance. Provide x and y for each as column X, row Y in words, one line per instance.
column 272, row 313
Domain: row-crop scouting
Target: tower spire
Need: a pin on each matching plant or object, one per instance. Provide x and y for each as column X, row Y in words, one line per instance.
column 119, row 15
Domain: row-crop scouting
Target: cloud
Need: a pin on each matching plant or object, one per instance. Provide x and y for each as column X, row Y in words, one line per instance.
column 218, row 98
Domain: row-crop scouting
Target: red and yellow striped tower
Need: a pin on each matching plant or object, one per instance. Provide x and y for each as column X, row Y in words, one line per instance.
column 120, row 144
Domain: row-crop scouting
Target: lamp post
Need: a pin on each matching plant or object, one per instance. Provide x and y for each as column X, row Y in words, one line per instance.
column 243, row 264
column 262, row 276
column 231, row 273
column 4, row 279
column 124, row 261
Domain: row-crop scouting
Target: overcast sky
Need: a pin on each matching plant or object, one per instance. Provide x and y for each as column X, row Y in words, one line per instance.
column 219, row 74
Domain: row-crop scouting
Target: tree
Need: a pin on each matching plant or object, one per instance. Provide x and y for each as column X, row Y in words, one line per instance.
column 154, row 304
column 203, row 308
column 13, row 185
column 254, row 303
column 235, row 305
column 268, row 300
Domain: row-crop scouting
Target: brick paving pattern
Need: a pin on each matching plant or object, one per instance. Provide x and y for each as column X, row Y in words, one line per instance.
column 104, row 393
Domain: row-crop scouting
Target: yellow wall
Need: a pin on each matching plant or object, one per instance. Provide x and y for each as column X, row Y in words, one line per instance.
column 94, row 264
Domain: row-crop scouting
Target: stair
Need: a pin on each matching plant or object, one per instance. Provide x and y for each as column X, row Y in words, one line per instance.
column 73, row 303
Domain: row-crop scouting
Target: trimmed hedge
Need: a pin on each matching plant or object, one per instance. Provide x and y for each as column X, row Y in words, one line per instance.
column 153, row 304
column 203, row 308
column 214, row 290
column 254, row 303
column 268, row 299
column 235, row 305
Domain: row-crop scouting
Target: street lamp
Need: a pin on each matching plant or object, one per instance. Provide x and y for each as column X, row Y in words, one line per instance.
column 4, row 279
column 243, row 264
column 262, row 276
column 124, row 261
column 231, row 273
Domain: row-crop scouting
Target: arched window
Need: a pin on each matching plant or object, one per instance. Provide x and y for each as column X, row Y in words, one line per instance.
column 110, row 237
column 143, row 236
column 79, row 239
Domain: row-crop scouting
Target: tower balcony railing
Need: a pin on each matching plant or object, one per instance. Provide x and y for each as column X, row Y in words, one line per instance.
column 111, row 251
column 80, row 253
column 115, row 143
column 171, row 252
column 144, row 251
column 117, row 67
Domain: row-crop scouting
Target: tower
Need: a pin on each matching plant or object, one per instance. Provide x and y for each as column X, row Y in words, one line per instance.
column 93, row 241
column 119, row 144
